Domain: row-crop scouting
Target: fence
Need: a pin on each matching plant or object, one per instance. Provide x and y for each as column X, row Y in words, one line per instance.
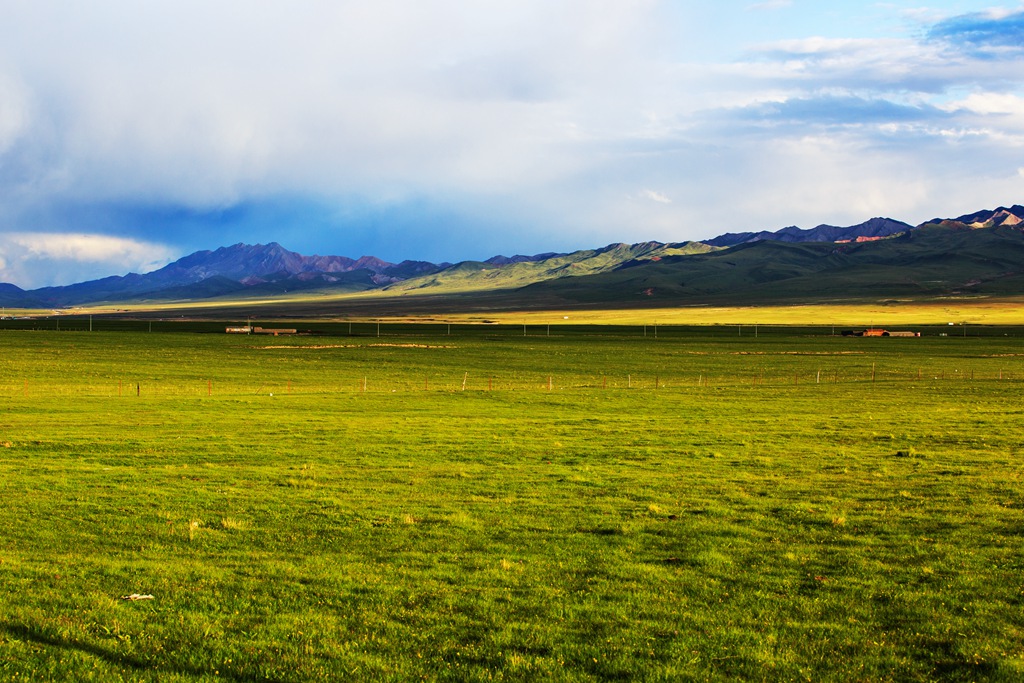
column 754, row 379
column 482, row 328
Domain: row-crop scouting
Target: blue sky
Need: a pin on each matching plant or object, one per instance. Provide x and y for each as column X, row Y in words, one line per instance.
column 134, row 133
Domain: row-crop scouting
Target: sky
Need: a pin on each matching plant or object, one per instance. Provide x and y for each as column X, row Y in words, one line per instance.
column 133, row 133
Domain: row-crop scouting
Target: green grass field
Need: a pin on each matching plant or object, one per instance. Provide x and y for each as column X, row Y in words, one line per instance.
column 590, row 505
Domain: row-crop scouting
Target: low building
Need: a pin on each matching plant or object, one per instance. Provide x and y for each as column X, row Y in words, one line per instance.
column 878, row 332
column 275, row 332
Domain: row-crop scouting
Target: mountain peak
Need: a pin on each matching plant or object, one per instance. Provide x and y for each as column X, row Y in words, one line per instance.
column 874, row 228
column 1002, row 215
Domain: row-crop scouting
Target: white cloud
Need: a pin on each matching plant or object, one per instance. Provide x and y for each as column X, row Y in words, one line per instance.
column 990, row 103
column 39, row 259
column 14, row 111
column 655, row 196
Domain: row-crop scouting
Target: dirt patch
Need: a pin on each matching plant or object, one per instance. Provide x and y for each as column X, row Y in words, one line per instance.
column 283, row 347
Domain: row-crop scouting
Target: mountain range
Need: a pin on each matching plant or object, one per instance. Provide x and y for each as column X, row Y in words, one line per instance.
column 978, row 252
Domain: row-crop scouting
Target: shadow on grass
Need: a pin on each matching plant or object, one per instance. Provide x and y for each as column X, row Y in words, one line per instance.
column 39, row 635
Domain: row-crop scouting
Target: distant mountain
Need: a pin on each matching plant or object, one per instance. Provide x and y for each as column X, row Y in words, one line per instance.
column 256, row 269
column 875, row 228
column 987, row 219
column 14, row 296
column 519, row 258
column 977, row 252
column 944, row 259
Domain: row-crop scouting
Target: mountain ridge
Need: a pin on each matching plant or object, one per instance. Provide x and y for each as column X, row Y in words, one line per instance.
column 872, row 228
column 270, row 269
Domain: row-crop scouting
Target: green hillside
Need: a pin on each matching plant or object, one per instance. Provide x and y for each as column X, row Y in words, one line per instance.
column 480, row 276
column 934, row 260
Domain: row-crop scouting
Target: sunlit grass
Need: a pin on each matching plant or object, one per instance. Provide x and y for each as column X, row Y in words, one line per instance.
column 747, row 527
column 973, row 311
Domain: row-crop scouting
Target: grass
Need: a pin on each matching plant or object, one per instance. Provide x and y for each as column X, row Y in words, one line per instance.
column 370, row 307
column 767, row 512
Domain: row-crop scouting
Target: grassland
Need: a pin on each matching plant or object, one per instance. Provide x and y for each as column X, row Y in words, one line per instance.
column 591, row 505
column 507, row 308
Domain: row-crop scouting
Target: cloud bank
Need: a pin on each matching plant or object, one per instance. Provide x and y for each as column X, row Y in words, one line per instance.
column 38, row 259
column 437, row 129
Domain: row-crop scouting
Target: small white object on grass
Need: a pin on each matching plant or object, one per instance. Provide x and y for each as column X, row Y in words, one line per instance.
column 136, row 596
column 271, row 393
